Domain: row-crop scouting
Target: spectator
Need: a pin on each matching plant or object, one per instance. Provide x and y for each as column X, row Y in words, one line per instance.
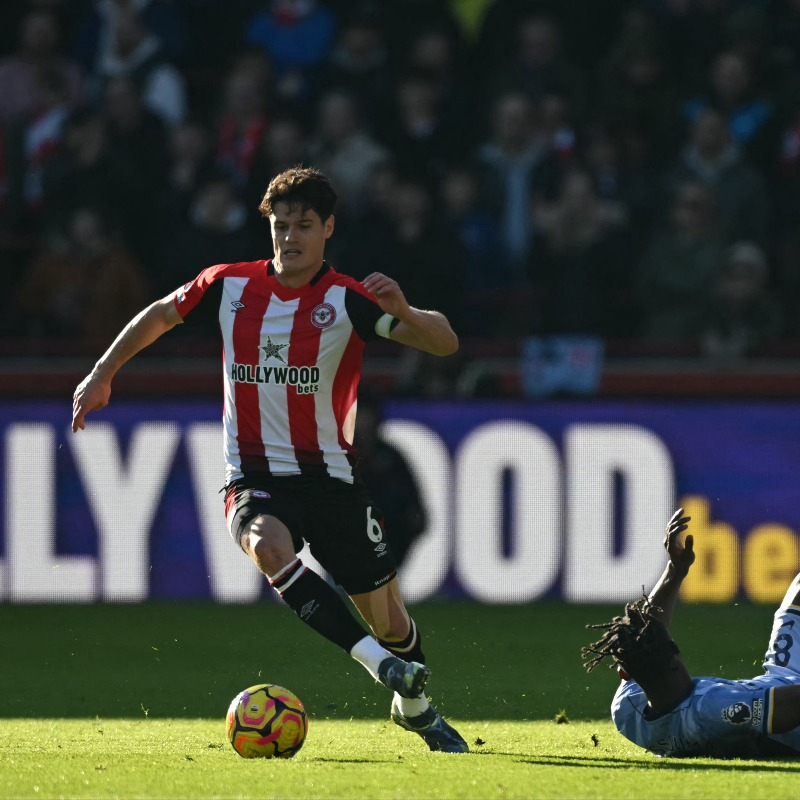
column 139, row 138
column 241, row 125
column 361, row 248
column 636, row 86
column 136, row 131
column 439, row 55
column 87, row 171
column 191, row 161
column 680, row 267
column 419, row 252
column 218, row 230
column 27, row 78
column 210, row 23
column 359, row 64
column 96, row 30
column 489, row 283
column 345, row 151
column 587, row 26
column 297, row 36
column 402, row 20
column 743, row 315
column 41, row 138
column 418, row 132
column 81, row 282
column 253, row 61
column 133, row 52
column 733, row 92
column 711, row 158
column 517, row 167
column 558, row 128
column 748, row 35
column 282, row 146
column 538, row 66
column 584, row 260
column 627, row 180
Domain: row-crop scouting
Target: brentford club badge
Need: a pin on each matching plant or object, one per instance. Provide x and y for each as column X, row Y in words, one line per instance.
column 323, row 316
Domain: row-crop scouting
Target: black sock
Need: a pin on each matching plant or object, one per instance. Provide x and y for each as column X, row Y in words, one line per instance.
column 317, row 604
column 410, row 649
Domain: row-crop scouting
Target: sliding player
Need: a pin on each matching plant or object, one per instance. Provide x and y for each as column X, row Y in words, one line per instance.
column 660, row 707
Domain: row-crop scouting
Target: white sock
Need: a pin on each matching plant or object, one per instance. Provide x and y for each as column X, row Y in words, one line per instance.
column 369, row 654
column 411, row 707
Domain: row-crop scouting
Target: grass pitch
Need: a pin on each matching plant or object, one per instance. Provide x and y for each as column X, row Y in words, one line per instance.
column 129, row 702
column 152, row 758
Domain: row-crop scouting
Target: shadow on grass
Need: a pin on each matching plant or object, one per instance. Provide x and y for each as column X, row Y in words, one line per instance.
column 371, row 760
column 673, row 764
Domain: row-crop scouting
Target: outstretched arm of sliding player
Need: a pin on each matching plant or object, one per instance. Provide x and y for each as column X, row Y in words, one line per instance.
column 681, row 557
column 94, row 391
column 426, row 330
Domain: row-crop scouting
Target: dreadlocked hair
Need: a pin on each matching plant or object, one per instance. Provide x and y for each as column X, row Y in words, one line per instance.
column 639, row 641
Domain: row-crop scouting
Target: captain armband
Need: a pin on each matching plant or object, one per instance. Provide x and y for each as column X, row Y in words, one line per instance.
column 385, row 325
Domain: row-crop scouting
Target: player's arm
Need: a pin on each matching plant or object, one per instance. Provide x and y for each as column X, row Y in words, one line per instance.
column 94, row 391
column 426, row 330
column 681, row 557
column 785, row 709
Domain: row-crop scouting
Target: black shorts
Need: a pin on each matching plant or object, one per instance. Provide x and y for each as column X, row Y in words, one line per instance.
column 338, row 521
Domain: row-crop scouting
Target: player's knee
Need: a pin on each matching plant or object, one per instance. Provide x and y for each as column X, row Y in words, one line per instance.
column 391, row 631
column 269, row 552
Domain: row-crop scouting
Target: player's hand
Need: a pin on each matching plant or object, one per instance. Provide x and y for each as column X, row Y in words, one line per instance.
column 92, row 393
column 387, row 292
column 681, row 552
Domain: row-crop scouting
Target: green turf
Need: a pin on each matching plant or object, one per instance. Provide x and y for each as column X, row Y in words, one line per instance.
column 147, row 758
column 129, row 701
column 188, row 660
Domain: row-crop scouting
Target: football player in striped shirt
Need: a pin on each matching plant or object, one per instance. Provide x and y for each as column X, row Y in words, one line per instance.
column 293, row 335
column 662, row 708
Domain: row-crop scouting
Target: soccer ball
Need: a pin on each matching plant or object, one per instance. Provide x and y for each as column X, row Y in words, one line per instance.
column 266, row 721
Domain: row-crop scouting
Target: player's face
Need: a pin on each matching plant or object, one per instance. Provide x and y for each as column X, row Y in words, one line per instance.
column 298, row 238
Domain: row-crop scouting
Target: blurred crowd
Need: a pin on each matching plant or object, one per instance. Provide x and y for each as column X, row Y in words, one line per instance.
column 626, row 169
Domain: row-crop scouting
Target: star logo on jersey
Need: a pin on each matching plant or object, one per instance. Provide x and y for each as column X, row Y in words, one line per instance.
column 272, row 350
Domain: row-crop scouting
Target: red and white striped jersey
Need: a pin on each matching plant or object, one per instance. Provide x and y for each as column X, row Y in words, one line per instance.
column 292, row 363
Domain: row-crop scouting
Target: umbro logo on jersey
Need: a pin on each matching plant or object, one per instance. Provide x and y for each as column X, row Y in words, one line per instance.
column 237, row 305
column 323, row 315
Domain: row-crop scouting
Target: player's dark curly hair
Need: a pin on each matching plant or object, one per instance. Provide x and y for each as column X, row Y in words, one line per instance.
column 303, row 188
column 639, row 642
